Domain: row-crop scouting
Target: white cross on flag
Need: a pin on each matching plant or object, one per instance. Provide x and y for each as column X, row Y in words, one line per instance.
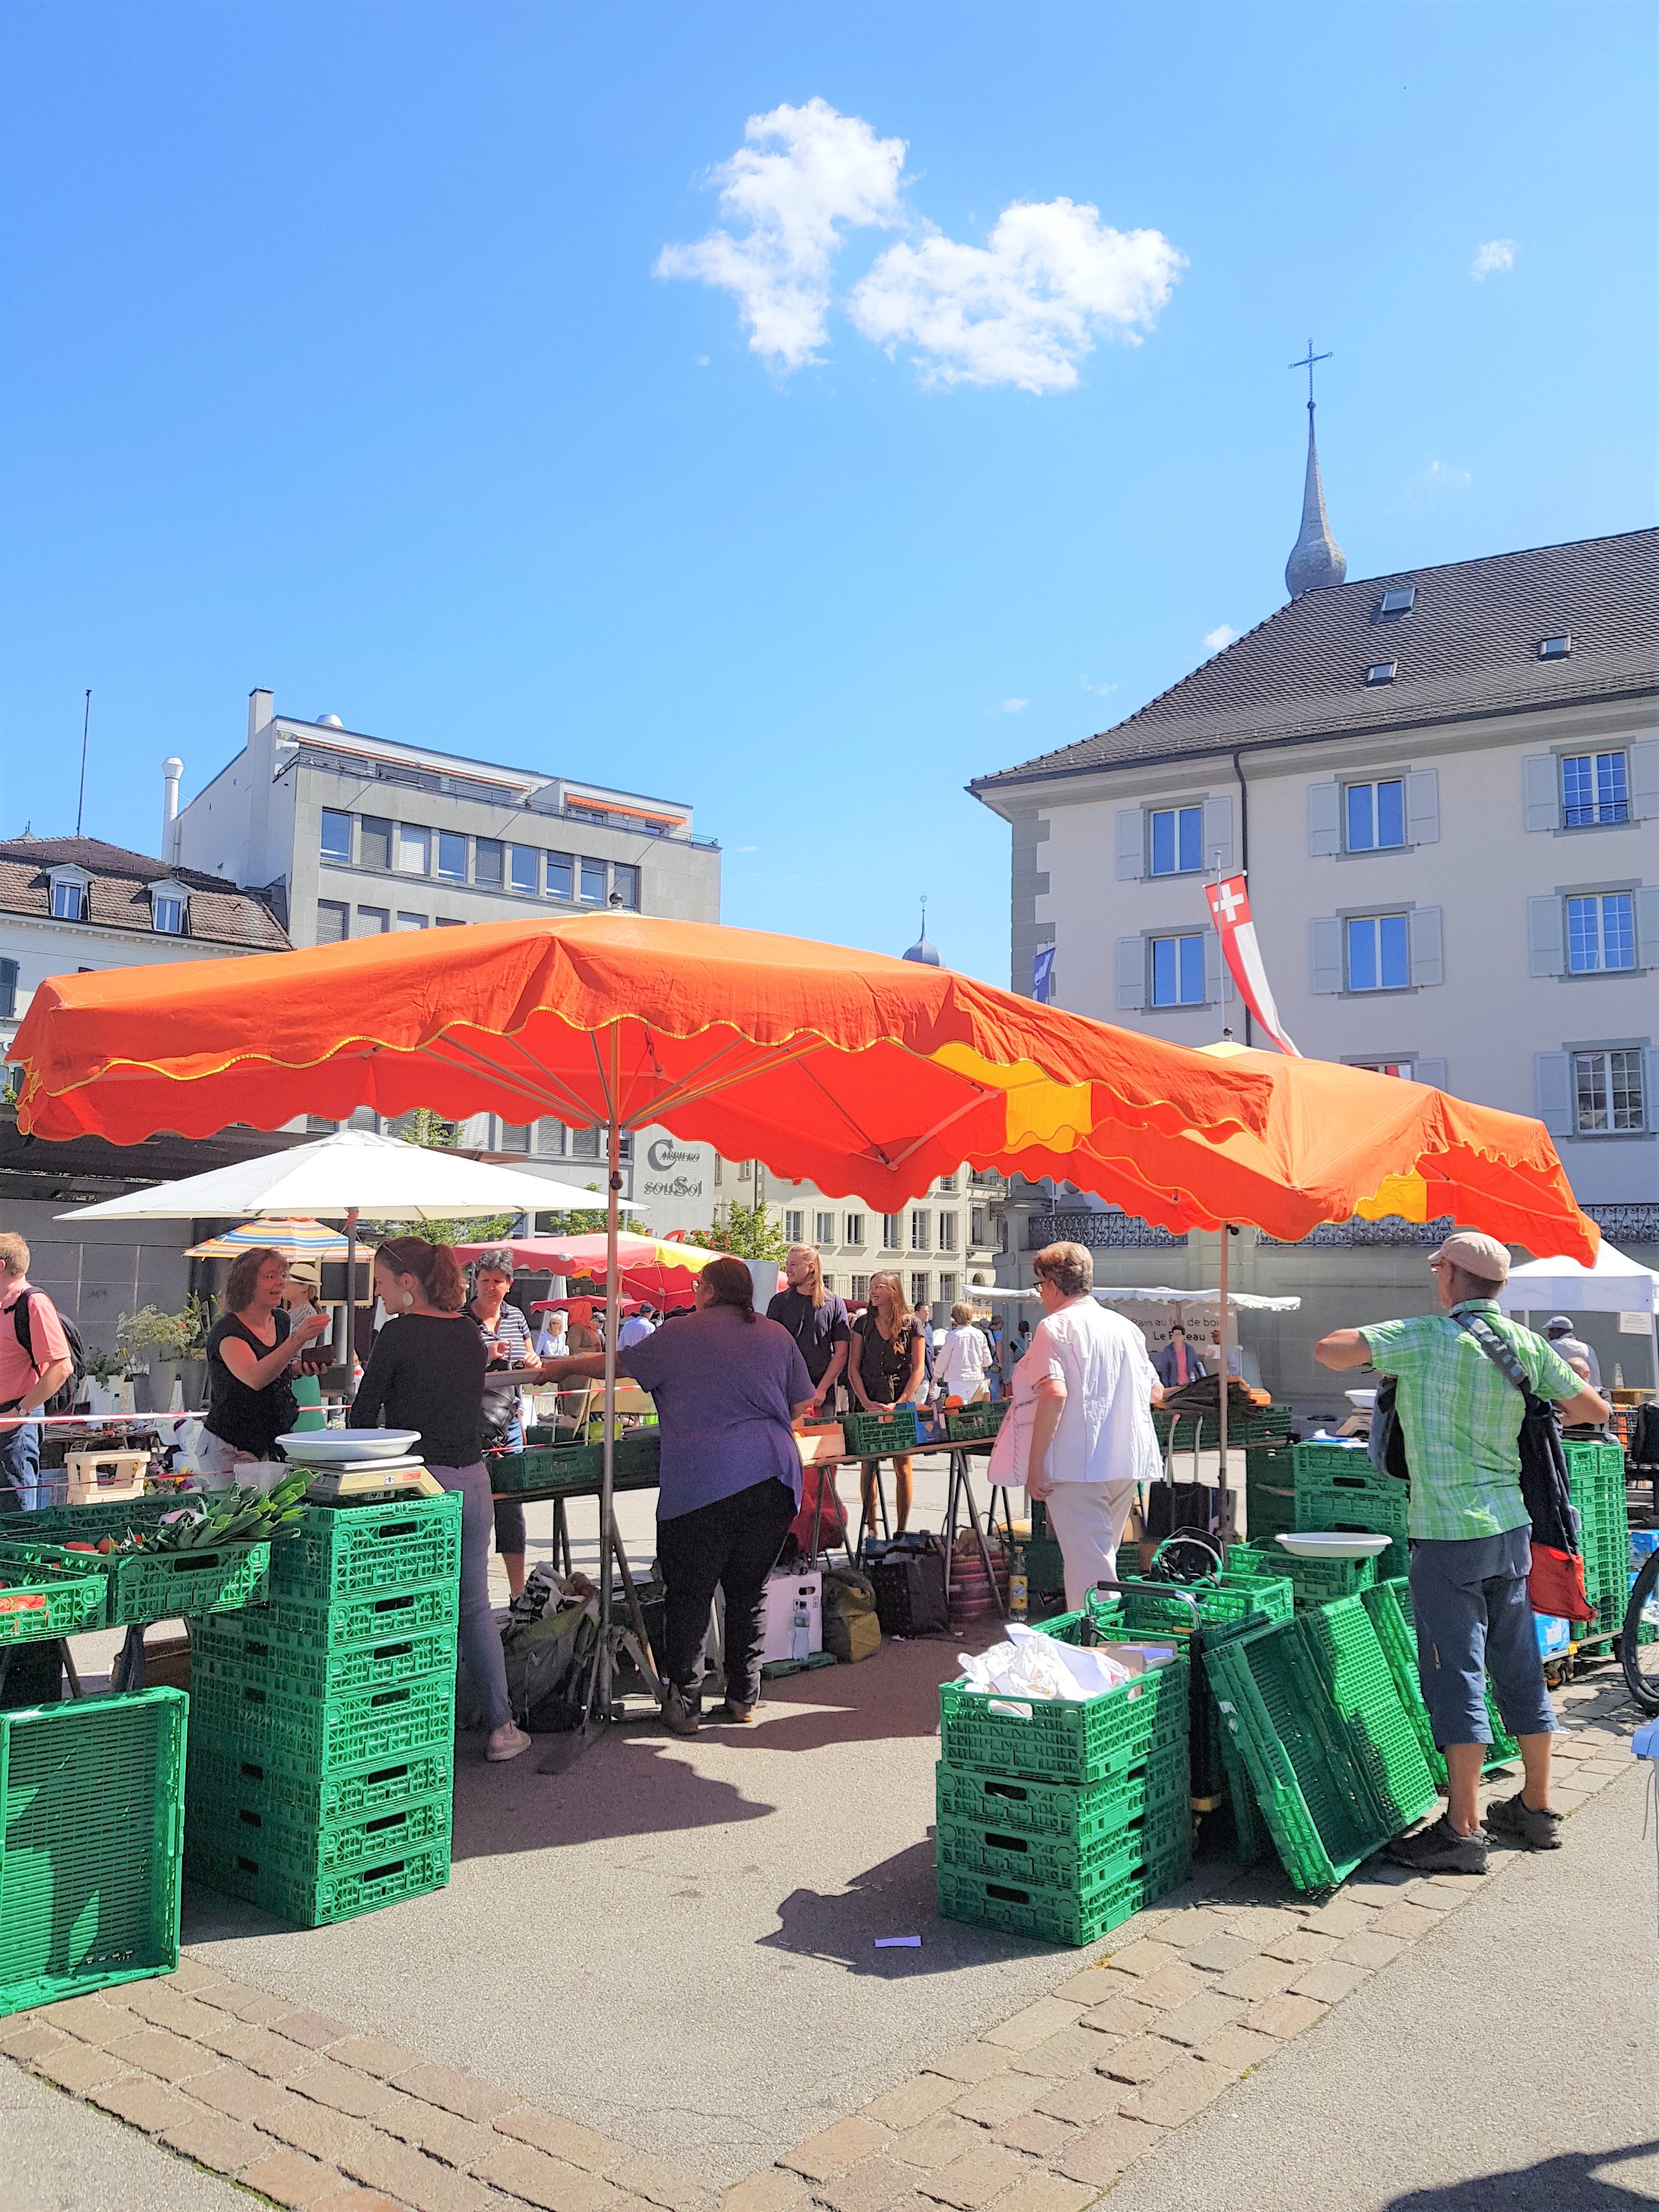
column 1229, row 905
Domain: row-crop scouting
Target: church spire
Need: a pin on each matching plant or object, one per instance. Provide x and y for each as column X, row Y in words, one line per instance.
column 1316, row 559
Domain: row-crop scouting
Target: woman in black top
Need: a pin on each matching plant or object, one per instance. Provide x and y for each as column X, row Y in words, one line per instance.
column 886, row 1367
column 427, row 1373
column 816, row 1320
column 249, row 1353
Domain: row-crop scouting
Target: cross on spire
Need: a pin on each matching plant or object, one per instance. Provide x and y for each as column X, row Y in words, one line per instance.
column 1307, row 362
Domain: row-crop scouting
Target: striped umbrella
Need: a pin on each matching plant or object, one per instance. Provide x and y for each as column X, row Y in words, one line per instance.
column 294, row 1239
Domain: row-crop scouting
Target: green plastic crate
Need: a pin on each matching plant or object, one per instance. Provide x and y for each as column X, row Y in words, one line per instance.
column 141, row 1586
column 92, row 1793
column 1300, row 1760
column 970, row 1424
column 1061, row 1739
column 1346, row 1648
column 1269, row 1491
column 48, row 1599
column 222, row 1772
column 1267, row 1424
column 320, row 1900
column 875, row 1435
column 1071, row 1821
column 1252, row 1840
column 1363, row 1502
column 1041, row 1863
column 1320, row 1463
column 1390, row 1605
column 221, row 1828
column 242, row 1654
column 350, row 1551
column 85, row 1524
column 307, row 1734
column 1057, row 1915
column 1314, row 1582
column 299, row 1625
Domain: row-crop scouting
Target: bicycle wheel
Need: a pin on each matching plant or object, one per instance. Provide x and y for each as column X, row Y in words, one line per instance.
column 1638, row 1645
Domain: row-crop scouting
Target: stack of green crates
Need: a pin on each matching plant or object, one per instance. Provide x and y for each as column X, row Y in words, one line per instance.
column 1315, row 1582
column 1595, row 1482
column 322, row 1761
column 1269, row 1491
column 1337, row 1489
column 1061, row 1819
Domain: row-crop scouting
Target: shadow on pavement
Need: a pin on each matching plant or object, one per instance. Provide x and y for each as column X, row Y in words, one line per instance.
column 1572, row 2178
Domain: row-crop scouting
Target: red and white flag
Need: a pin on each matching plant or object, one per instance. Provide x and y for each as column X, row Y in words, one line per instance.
column 1230, row 906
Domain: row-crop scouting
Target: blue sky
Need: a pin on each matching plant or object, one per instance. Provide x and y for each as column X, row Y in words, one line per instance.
column 336, row 362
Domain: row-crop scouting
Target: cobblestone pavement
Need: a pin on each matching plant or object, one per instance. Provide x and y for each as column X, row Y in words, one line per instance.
column 1041, row 2114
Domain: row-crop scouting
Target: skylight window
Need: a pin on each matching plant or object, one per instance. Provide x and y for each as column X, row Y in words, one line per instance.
column 1381, row 671
column 1555, row 648
column 1401, row 600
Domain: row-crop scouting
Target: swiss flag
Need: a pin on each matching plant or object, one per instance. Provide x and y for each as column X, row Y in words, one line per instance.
column 1230, row 907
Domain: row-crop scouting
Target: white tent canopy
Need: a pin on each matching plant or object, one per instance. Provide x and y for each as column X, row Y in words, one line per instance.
column 1160, row 1294
column 1616, row 1284
column 351, row 1174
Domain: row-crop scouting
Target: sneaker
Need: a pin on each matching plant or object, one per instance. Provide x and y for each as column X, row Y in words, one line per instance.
column 731, row 1715
column 1439, row 1848
column 677, row 1716
column 1534, row 1829
column 507, row 1743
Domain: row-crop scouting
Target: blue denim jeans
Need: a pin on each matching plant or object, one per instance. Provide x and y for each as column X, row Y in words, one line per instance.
column 21, row 1487
column 1473, row 1618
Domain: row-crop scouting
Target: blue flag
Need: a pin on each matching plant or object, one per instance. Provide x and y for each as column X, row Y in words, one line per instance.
column 1043, row 974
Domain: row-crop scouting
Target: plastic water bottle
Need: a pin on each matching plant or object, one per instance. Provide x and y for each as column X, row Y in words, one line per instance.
column 800, row 1629
column 1019, row 1587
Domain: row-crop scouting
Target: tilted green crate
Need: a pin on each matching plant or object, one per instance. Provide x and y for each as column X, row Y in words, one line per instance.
column 1346, row 1649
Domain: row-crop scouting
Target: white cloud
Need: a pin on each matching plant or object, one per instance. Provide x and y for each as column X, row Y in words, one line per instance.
column 1218, row 639
column 1438, row 476
column 1495, row 259
column 1024, row 309
column 1101, row 691
column 1013, row 706
column 804, row 176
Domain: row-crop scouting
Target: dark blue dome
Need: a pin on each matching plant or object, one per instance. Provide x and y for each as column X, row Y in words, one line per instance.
column 922, row 950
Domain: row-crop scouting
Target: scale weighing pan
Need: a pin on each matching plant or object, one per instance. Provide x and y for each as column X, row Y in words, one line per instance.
column 330, row 1447
column 1333, row 1544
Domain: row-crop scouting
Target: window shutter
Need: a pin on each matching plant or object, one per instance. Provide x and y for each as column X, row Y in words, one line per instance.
column 1131, row 847
column 1547, row 949
column 1432, row 1072
column 1644, row 789
column 1325, row 951
column 1219, row 835
column 1650, row 1089
column 1551, row 1091
column 1647, row 926
column 1422, row 806
column 1541, row 803
column 1324, row 820
column 1130, row 973
column 1214, row 968
column 1423, row 928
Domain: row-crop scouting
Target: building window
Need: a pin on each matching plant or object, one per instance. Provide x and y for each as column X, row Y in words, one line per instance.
column 918, row 1290
column 947, row 1290
column 1555, row 648
column 412, row 920
column 1379, row 952
column 1376, row 815
column 824, row 1228
column 946, row 1186
column 68, row 899
column 550, row 1137
column 1177, row 839
column 560, row 876
column 414, row 850
column 719, row 1171
column 450, row 921
column 1595, row 790
column 1601, row 933
column 919, row 1232
column 585, row 1143
column 526, row 873
column 452, row 856
column 947, row 1232
column 1607, row 1093
column 488, row 859
column 336, row 836
column 166, row 914
column 593, row 882
column 318, row 1125
column 373, row 920
column 977, row 1230
column 1178, row 969
column 861, row 1288
column 892, row 1232
column 8, row 989
column 333, row 922
column 374, row 843
column 625, row 883
column 1400, row 1067
column 828, row 1285
column 1381, row 671
column 514, row 1137
column 854, row 1236
column 795, row 1227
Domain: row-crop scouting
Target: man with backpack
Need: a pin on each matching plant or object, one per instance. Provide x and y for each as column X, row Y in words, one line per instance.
column 1461, row 1415
column 36, row 1361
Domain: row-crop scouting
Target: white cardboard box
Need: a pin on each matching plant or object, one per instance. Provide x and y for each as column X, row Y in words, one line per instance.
column 782, row 1589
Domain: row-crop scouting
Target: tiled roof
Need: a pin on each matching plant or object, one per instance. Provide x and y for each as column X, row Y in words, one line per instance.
column 1469, row 646
column 220, row 913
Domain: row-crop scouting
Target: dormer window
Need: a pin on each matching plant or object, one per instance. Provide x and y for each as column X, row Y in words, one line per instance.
column 1381, row 671
column 169, row 910
column 1399, row 600
column 71, row 893
column 1555, row 648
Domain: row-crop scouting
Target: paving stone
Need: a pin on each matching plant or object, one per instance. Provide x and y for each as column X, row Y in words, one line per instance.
column 1409, row 1920
column 353, row 2199
column 1258, row 1978
column 373, row 2054
column 1120, row 2016
column 344, row 2090
column 771, row 2190
column 661, row 2182
column 1145, row 1957
column 157, row 2050
column 455, row 2091
column 1305, row 1949
column 975, row 2178
column 163, row 2006
column 1083, row 1989
column 255, row 2048
column 237, row 2094
column 412, row 2179
column 140, row 2101
column 1074, row 2050
column 913, row 2101
column 225, row 2146
column 1371, row 1950
column 523, row 2172
column 1568, row 1801
column 1380, row 1887
column 933, row 2144
column 1034, row 2024
column 289, row 2178
column 79, row 2067
column 1461, row 1885
column 560, row 2138
column 318, row 2128
column 1046, row 2192
column 1084, row 2101
column 1173, row 1986
column 1330, row 1983
column 1284, row 2016
column 1217, row 1953
column 969, row 2062
column 1343, row 1915
column 1140, row 2059
column 313, row 2029
column 1238, row 2049
column 1102, row 2153
column 91, row 2020
column 1595, row 1734
column 190, row 1976
column 1177, row 2092
column 1002, row 2097
column 1201, row 2017
column 440, row 2134
column 872, row 2185
column 833, row 2150
column 1261, row 1923
column 1035, row 2134
column 31, row 2040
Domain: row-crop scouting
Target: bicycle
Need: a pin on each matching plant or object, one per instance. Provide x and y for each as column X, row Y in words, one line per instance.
column 1639, row 1659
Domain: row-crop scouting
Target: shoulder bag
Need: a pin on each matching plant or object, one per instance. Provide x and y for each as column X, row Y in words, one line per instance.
column 1556, row 1584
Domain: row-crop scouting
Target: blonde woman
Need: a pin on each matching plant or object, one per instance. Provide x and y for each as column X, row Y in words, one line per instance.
column 963, row 1361
column 816, row 1320
column 886, row 1366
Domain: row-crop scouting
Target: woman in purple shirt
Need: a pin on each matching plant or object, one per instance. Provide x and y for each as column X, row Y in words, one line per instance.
column 728, row 1388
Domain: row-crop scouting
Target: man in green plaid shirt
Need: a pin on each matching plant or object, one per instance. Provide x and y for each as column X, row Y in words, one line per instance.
column 1471, row 1540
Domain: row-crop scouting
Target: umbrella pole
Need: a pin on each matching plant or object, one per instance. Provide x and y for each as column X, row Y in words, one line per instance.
column 1228, row 1519
column 351, row 1304
column 607, row 1480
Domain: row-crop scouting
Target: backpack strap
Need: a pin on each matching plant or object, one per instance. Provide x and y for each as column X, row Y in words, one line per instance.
column 1498, row 1350
column 23, row 1329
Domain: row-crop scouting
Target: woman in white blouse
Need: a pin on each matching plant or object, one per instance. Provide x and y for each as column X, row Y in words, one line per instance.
column 964, row 1360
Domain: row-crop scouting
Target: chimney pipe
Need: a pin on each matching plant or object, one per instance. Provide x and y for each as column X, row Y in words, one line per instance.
column 172, row 769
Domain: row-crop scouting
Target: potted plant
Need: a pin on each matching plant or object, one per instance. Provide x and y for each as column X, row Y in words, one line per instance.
column 175, row 1342
column 108, row 1390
